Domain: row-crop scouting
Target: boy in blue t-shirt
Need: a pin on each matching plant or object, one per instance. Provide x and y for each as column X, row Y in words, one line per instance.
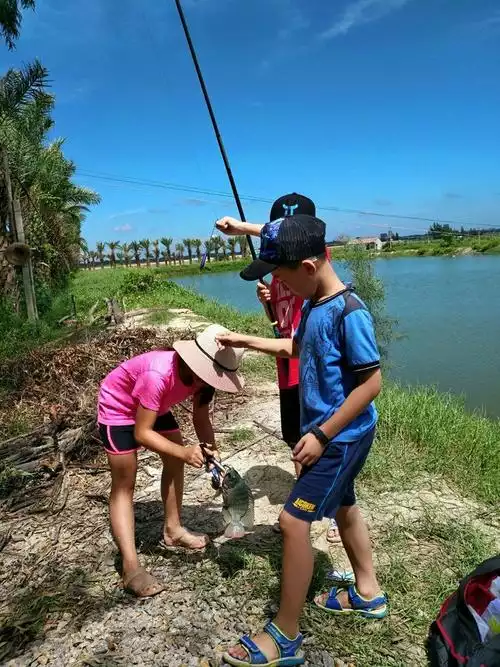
column 339, row 379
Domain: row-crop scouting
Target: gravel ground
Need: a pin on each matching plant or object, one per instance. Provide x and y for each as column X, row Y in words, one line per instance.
column 63, row 602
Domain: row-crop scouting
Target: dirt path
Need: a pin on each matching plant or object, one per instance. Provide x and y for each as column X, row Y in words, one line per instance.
column 63, row 601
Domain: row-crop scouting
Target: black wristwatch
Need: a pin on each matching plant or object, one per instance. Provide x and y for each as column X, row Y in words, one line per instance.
column 320, row 435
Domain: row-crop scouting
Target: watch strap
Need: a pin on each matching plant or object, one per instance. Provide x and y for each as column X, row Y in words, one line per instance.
column 320, row 435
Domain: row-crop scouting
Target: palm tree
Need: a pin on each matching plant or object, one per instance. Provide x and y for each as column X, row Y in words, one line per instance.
column 243, row 243
column 136, row 249
column 179, row 248
column 189, row 247
column 100, row 247
column 208, row 249
column 11, row 18
column 216, row 244
column 231, row 242
column 126, row 248
column 84, row 259
column 113, row 245
column 53, row 206
column 167, row 242
column 146, row 244
column 92, row 256
column 156, row 252
column 223, row 247
column 119, row 257
column 197, row 247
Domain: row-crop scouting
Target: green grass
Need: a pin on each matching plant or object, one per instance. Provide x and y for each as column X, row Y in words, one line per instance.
column 240, row 435
column 420, row 565
column 424, row 431
column 148, row 289
column 440, row 247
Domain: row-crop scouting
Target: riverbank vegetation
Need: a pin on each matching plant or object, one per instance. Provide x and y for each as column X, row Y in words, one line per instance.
column 186, row 255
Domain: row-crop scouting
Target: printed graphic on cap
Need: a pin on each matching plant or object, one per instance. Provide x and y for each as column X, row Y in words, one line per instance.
column 268, row 237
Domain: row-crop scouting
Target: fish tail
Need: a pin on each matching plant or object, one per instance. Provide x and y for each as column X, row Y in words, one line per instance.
column 235, row 530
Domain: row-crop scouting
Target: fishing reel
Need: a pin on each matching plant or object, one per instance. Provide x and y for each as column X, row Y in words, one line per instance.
column 218, row 471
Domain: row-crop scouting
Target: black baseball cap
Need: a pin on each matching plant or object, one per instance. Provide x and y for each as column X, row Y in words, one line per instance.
column 292, row 204
column 285, row 241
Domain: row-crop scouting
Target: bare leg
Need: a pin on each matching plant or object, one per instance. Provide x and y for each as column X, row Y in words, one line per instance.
column 172, row 490
column 121, row 512
column 121, row 507
column 356, row 540
column 298, row 565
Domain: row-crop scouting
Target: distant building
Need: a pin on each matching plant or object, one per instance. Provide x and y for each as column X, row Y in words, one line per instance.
column 370, row 242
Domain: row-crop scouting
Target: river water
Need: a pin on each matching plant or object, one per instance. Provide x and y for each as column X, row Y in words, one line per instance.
column 448, row 312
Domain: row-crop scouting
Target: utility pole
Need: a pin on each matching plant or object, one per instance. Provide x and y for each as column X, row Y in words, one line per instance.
column 16, row 224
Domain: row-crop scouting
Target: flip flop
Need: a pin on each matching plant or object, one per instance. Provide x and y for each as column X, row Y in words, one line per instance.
column 360, row 606
column 139, row 580
column 332, row 534
column 177, row 545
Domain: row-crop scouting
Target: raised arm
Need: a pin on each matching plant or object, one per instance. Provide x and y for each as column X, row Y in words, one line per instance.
column 232, row 227
column 277, row 347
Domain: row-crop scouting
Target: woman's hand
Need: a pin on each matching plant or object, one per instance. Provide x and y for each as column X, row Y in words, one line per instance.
column 263, row 293
column 193, row 456
column 212, row 453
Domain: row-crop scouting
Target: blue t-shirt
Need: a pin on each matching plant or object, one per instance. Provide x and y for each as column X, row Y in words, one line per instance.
column 336, row 339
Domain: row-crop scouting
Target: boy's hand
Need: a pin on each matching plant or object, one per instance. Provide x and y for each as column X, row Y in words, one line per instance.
column 232, row 340
column 308, row 450
column 193, row 456
column 229, row 226
column 263, row 293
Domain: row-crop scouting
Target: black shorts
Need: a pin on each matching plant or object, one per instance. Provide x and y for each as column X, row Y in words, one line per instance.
column 121, row 440
column 290, row 415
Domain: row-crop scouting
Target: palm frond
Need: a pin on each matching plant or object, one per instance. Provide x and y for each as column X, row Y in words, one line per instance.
column 18, row 87
column 11, row 19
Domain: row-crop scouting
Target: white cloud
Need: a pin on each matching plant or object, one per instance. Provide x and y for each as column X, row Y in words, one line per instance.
column 359, row 13
column 123, row 228
column 488, row 25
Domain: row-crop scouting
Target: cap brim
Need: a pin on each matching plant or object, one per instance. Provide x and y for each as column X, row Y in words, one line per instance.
column 208, row 371
column 257, row 269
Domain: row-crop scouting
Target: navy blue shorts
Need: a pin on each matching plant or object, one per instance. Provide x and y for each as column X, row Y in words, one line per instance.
column 329, row 484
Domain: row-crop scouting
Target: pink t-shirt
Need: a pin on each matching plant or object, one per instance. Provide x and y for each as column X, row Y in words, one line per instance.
column 151, row 380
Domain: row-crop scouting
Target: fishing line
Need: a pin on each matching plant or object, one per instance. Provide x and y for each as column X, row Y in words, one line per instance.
column 223, row 153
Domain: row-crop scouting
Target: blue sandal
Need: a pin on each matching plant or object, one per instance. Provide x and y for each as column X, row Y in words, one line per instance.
column 360, row 606
column 288, row 650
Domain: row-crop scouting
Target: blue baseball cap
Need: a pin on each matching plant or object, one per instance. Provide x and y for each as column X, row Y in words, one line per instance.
column 285, row 241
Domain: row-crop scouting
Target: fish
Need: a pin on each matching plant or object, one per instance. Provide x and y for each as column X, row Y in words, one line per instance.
column 237, row 505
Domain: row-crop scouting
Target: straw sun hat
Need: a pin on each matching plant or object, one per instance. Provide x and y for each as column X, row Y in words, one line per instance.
column 214, row 364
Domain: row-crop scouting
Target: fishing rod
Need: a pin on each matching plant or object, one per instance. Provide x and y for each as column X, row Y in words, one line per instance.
column 223, row 153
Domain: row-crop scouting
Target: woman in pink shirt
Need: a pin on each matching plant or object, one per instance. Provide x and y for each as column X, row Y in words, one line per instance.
column 134, row 411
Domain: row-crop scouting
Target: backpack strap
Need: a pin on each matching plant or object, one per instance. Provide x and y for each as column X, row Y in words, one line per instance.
column 350, row 289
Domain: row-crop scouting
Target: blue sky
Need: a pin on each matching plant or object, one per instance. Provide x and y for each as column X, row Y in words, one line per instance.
column 384, row 105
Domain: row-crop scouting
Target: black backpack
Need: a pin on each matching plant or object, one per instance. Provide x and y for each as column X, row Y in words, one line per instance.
column 454, row 639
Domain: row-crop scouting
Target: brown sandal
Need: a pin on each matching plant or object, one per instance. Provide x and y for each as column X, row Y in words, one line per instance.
column 184, row 542
column 138, row 581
